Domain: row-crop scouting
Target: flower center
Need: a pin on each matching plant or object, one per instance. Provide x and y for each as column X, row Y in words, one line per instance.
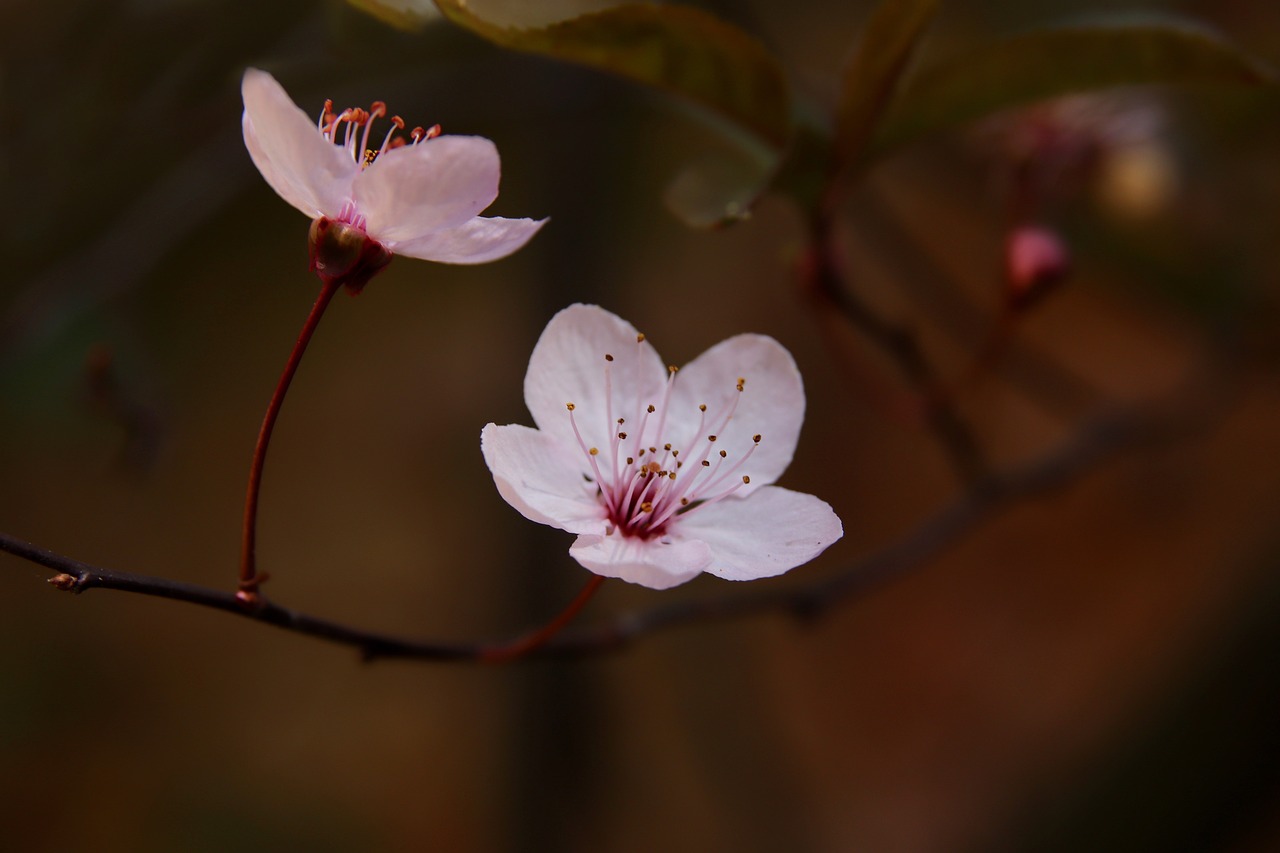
column 351, row 128
column 647, row 476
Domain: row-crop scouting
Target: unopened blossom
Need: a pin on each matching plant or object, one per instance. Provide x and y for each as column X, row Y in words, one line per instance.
column 378, row 191
column 663, row 473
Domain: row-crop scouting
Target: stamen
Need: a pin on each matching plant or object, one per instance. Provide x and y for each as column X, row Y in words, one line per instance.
column 591, row 453
column 397, row 123
column 376, row 110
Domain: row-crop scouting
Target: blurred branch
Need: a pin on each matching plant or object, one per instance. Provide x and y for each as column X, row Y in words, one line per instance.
column 131, row 246
column 824, row 281
column 1094, row 443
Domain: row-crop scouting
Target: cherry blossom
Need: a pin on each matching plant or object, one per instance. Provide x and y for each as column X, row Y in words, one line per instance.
column 413, row 193
column 663, row 472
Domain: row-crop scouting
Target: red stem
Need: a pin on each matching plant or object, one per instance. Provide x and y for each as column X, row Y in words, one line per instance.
column 249, row 576
column 536, row 640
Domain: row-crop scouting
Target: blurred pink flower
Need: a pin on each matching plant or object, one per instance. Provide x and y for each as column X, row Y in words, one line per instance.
column 418, row 198
column 662, row 475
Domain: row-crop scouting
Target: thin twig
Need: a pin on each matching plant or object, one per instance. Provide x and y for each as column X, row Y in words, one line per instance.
column 1094, row 443
column 829, row 292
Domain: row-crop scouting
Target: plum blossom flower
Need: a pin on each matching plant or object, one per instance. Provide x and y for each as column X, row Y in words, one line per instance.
column 663, row 473
column 413, row 193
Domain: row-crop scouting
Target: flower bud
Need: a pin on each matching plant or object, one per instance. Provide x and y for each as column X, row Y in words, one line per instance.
column 345, row 254
column 1036, row 260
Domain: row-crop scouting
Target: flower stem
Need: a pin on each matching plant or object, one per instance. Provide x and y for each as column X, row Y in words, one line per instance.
column 531, row 642
column 249, row 576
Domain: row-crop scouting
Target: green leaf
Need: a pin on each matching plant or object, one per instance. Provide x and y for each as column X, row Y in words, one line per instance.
column 1051, row 62
column 718, row 189
column 407, row 15
column 677, row 49
column 871, row 78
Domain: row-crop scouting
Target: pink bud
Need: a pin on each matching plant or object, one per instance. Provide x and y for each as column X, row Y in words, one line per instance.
column 1036, row 260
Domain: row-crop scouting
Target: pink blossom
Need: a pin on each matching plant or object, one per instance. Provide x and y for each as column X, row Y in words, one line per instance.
column 414, row 193
column 662, row 473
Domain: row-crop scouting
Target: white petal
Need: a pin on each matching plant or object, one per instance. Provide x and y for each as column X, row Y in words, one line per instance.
column 307, row 171
column 537, row 477
column 771, row 404
column 441, row 183
column 568, row 366
column 655, row 563
column 764, row 535
column 476, row 241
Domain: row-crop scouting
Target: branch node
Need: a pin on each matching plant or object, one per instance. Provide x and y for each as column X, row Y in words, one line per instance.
column 65, row 582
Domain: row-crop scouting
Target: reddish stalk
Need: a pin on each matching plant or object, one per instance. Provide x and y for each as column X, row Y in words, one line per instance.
column 532, row 642
column 249, row 576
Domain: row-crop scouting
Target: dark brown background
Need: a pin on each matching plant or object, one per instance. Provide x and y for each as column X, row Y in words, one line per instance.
column 1094, row 670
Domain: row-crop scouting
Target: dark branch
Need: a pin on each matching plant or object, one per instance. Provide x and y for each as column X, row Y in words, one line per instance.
column 828, row 290
column 1090, row 446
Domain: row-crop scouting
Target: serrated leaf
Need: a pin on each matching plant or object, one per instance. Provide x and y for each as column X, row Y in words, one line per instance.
column 1047, row 63
column 874, row 70
column 677, row 49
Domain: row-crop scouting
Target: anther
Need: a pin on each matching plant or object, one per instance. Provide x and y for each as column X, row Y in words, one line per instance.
column 671, row 368
column 684, row 502
column 702, row 407
column 723, row 454
column 631, row 460
column 595, row 451
column 640, row 338
column 756, row 438
column 570, row 406
column 608, row 357
column 652, row 409
column 622, row 435
column 646, row 507
column 666, row 447
column 621, row 421
column 711, row 438
column 746, row 479
column 432, row 132
column 706, row 464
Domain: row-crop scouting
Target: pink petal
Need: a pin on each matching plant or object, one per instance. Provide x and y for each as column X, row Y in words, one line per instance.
column 411, row 191
column 653, row 563
column 764, row 535
column 307, row 171
column 543, row 482
column 476, row 241
column 771, row 404
column 568, row 366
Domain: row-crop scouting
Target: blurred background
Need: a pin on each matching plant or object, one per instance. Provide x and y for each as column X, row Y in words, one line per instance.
column 1092, row 669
